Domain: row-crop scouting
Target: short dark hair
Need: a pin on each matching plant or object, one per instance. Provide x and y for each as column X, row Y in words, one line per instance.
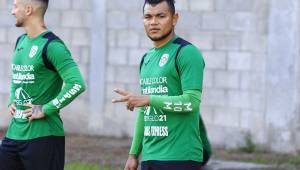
column 44, row 5
column 171, row 4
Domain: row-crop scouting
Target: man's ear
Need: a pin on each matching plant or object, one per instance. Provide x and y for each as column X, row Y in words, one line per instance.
column 28, row 10
column 175, row 19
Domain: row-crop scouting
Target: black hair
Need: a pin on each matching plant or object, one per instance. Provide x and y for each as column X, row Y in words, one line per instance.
column 171, row 4
column 46, row 2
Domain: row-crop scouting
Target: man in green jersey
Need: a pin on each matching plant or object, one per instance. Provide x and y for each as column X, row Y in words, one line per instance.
column 169, row 131
column 41, row 64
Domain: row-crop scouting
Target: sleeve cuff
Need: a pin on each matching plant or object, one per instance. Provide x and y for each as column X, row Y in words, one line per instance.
column 134, row 151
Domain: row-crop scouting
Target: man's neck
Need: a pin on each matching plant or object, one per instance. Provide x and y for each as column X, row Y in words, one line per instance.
column 161, row 43
column 35, row 28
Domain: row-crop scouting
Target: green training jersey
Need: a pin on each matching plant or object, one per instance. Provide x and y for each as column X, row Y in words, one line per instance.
column 174, row 134
column 32, row 82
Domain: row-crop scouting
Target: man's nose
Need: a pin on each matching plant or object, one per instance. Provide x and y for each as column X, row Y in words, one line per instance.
column 153, row 21
column 13, row 12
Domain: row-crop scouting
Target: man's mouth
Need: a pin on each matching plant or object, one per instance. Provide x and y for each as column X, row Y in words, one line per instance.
column 154, row 30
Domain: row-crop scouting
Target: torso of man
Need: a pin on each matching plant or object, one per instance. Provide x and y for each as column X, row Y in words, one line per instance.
column 172, row 135
column 33, row 83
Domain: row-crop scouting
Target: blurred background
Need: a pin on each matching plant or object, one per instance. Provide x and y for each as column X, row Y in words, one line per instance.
column 251, row 49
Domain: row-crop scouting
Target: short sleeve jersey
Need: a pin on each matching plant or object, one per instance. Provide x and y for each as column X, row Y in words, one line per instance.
column 172, row 135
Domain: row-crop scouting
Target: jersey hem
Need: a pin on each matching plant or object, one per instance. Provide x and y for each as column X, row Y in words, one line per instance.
column 32, row 138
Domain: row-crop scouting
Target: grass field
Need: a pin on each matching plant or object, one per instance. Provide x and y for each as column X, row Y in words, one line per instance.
column 85, row 152
column 85, row 166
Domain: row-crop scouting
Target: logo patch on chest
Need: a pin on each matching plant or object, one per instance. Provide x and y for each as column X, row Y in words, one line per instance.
column 163, row 60
column 33, row 51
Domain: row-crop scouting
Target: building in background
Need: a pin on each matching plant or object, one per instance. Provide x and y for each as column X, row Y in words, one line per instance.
column 252, row 75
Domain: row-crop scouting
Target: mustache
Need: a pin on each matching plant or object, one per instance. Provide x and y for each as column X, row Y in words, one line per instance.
column 161, row 37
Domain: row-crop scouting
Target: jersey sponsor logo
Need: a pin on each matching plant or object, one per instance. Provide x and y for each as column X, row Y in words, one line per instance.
column 158, row 115
column 159, row 131
column 159, row 81
column 33, row 51
column 155, row 90
column 155, row 118
column 153, row 80
column 22, row 68
column 149, row 108
column 23, row 78
column 20, row 76
column 21, row 97
column 20, row 93
column 19, row 114
column 163, row 60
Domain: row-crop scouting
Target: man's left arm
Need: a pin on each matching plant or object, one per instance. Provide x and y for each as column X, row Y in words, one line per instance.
column 189, row 101
column 68, row 70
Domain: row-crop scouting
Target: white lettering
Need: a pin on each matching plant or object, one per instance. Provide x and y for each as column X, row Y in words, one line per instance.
column 188, row 107
column 153, row 80
column 155, row 90
column 22, row 68
column 19, row 114
column 72, row 92
column 168, row 105
column 19, row 76
column 160, row 131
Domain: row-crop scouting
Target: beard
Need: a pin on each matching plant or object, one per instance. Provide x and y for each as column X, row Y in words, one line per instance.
column 19, row 23
column 161, row 37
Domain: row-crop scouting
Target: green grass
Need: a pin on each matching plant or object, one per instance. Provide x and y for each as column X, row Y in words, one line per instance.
column 262, row 157
column 85, row 166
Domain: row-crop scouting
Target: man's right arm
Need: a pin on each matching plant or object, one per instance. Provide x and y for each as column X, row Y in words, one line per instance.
column 12, row 85
column 11, row 105
column 136, row 145
column 11, row 94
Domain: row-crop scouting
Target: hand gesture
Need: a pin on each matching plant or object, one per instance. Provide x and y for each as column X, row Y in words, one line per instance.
column 131, row 100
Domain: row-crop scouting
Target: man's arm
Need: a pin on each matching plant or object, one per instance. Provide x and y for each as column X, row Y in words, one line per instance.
column 11, row 104
column 189, row 101
column 68, row 70
column 136, row 145
column 11, row 94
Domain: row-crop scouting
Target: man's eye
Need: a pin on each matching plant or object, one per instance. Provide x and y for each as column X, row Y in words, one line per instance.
column 146, row 17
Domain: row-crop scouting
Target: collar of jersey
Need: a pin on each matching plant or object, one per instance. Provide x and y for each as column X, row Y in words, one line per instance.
column 38, row 36
column 167, row 44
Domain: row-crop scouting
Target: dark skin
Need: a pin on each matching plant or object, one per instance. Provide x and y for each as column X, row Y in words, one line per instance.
column 132, row 100
column 159, row 23
column 30, row 16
